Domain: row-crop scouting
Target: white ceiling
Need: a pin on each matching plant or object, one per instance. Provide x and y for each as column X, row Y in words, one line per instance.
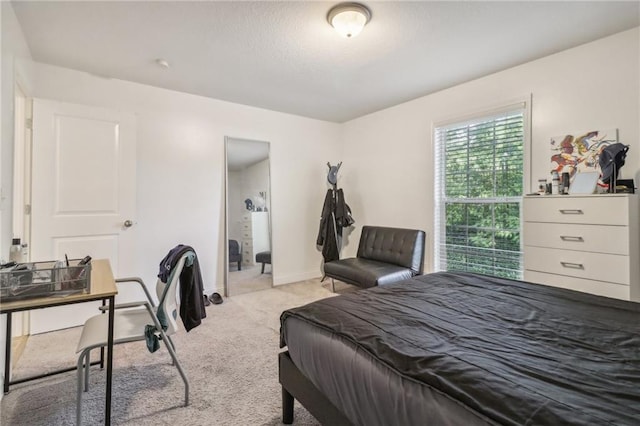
column 284, row 56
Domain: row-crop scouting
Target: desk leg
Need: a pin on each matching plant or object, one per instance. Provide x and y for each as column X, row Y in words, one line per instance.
column 7, row 355
column 102, row 347
column 107, row 408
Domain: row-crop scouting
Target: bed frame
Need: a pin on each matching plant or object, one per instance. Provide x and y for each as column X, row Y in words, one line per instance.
column 296, row 386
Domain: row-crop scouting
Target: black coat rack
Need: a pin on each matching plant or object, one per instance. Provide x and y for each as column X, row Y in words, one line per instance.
column 332, row 178
column 335, row 216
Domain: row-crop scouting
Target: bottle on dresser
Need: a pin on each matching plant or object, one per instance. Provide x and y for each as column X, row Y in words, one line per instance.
column 555, row 183
column 566, row 179
column 15, row 252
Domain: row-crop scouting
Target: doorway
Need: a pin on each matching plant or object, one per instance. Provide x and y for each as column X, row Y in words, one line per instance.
column 248, row 224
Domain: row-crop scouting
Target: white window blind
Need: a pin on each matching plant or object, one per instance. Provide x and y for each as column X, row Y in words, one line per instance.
column 479, row 186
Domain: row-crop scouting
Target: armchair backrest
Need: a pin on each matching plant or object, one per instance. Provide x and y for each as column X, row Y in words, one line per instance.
column 168, row 294
column 234, row 247
column 398, row 246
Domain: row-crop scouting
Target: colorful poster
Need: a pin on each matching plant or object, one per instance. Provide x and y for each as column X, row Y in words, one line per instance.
column 576, row 154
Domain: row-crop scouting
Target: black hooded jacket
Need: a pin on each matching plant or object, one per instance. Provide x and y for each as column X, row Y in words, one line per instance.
column 192, row 309
column 333, row 203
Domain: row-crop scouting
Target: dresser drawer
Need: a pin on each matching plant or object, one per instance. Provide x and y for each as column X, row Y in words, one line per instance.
column 595, row 238
column 618, row 291
column 580, row 264
column 247, row 234
column 247, row 244
column 245, row 226
column 596, row 209
column 246, row 217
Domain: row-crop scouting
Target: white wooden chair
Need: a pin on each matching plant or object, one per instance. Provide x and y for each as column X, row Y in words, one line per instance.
column 130, row 322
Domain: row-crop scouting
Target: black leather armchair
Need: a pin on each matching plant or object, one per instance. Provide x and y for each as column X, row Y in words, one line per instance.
column 385, row 256
column 263, row 257
column 235, row 255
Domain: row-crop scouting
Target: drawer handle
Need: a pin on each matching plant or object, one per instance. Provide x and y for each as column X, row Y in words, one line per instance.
column 571, row 211
column 572, row 265
column 571, row 238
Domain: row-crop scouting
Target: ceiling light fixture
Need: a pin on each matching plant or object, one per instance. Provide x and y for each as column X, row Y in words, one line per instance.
column 349, row 19
column 163, row 63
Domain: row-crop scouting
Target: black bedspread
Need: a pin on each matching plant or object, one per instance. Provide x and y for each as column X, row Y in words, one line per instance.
column 519, row 353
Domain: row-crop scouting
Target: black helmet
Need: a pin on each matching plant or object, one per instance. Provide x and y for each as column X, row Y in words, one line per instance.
column 611, row 160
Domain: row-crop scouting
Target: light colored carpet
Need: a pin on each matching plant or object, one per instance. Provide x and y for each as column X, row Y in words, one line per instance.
column 230, row 360
column 249, row 279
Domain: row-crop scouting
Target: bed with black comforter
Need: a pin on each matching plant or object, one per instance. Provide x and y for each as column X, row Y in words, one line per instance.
column 464, row 349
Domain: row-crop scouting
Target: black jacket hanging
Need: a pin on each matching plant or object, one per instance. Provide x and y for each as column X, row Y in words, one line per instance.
column 327, row 233
column 343, row 212
column 336, row 215
column 191, row 287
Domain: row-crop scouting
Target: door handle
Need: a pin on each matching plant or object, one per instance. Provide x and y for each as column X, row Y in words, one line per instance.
column 128, row 224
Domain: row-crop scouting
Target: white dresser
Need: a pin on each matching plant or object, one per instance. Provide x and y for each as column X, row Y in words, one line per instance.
column 589, row 243
column 255, row 235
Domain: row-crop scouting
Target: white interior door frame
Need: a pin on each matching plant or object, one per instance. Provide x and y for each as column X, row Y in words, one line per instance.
column 21, row 187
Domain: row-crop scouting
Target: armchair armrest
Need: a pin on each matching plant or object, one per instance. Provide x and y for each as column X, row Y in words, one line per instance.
column 124, row 305
column 150, row 308
column 139, row 281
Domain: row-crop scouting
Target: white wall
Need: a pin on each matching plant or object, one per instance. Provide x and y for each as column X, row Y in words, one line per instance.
column 387, row 173
column 180, row 166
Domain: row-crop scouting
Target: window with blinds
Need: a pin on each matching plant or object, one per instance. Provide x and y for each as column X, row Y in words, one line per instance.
column 479, row 186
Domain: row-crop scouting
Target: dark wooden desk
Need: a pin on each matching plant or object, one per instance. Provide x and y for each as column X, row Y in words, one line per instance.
column 103, row 287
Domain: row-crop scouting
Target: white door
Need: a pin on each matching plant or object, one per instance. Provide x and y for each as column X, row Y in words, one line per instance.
column 83, row 193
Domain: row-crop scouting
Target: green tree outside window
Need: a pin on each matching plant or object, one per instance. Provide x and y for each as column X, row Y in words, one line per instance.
column 480, row 186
